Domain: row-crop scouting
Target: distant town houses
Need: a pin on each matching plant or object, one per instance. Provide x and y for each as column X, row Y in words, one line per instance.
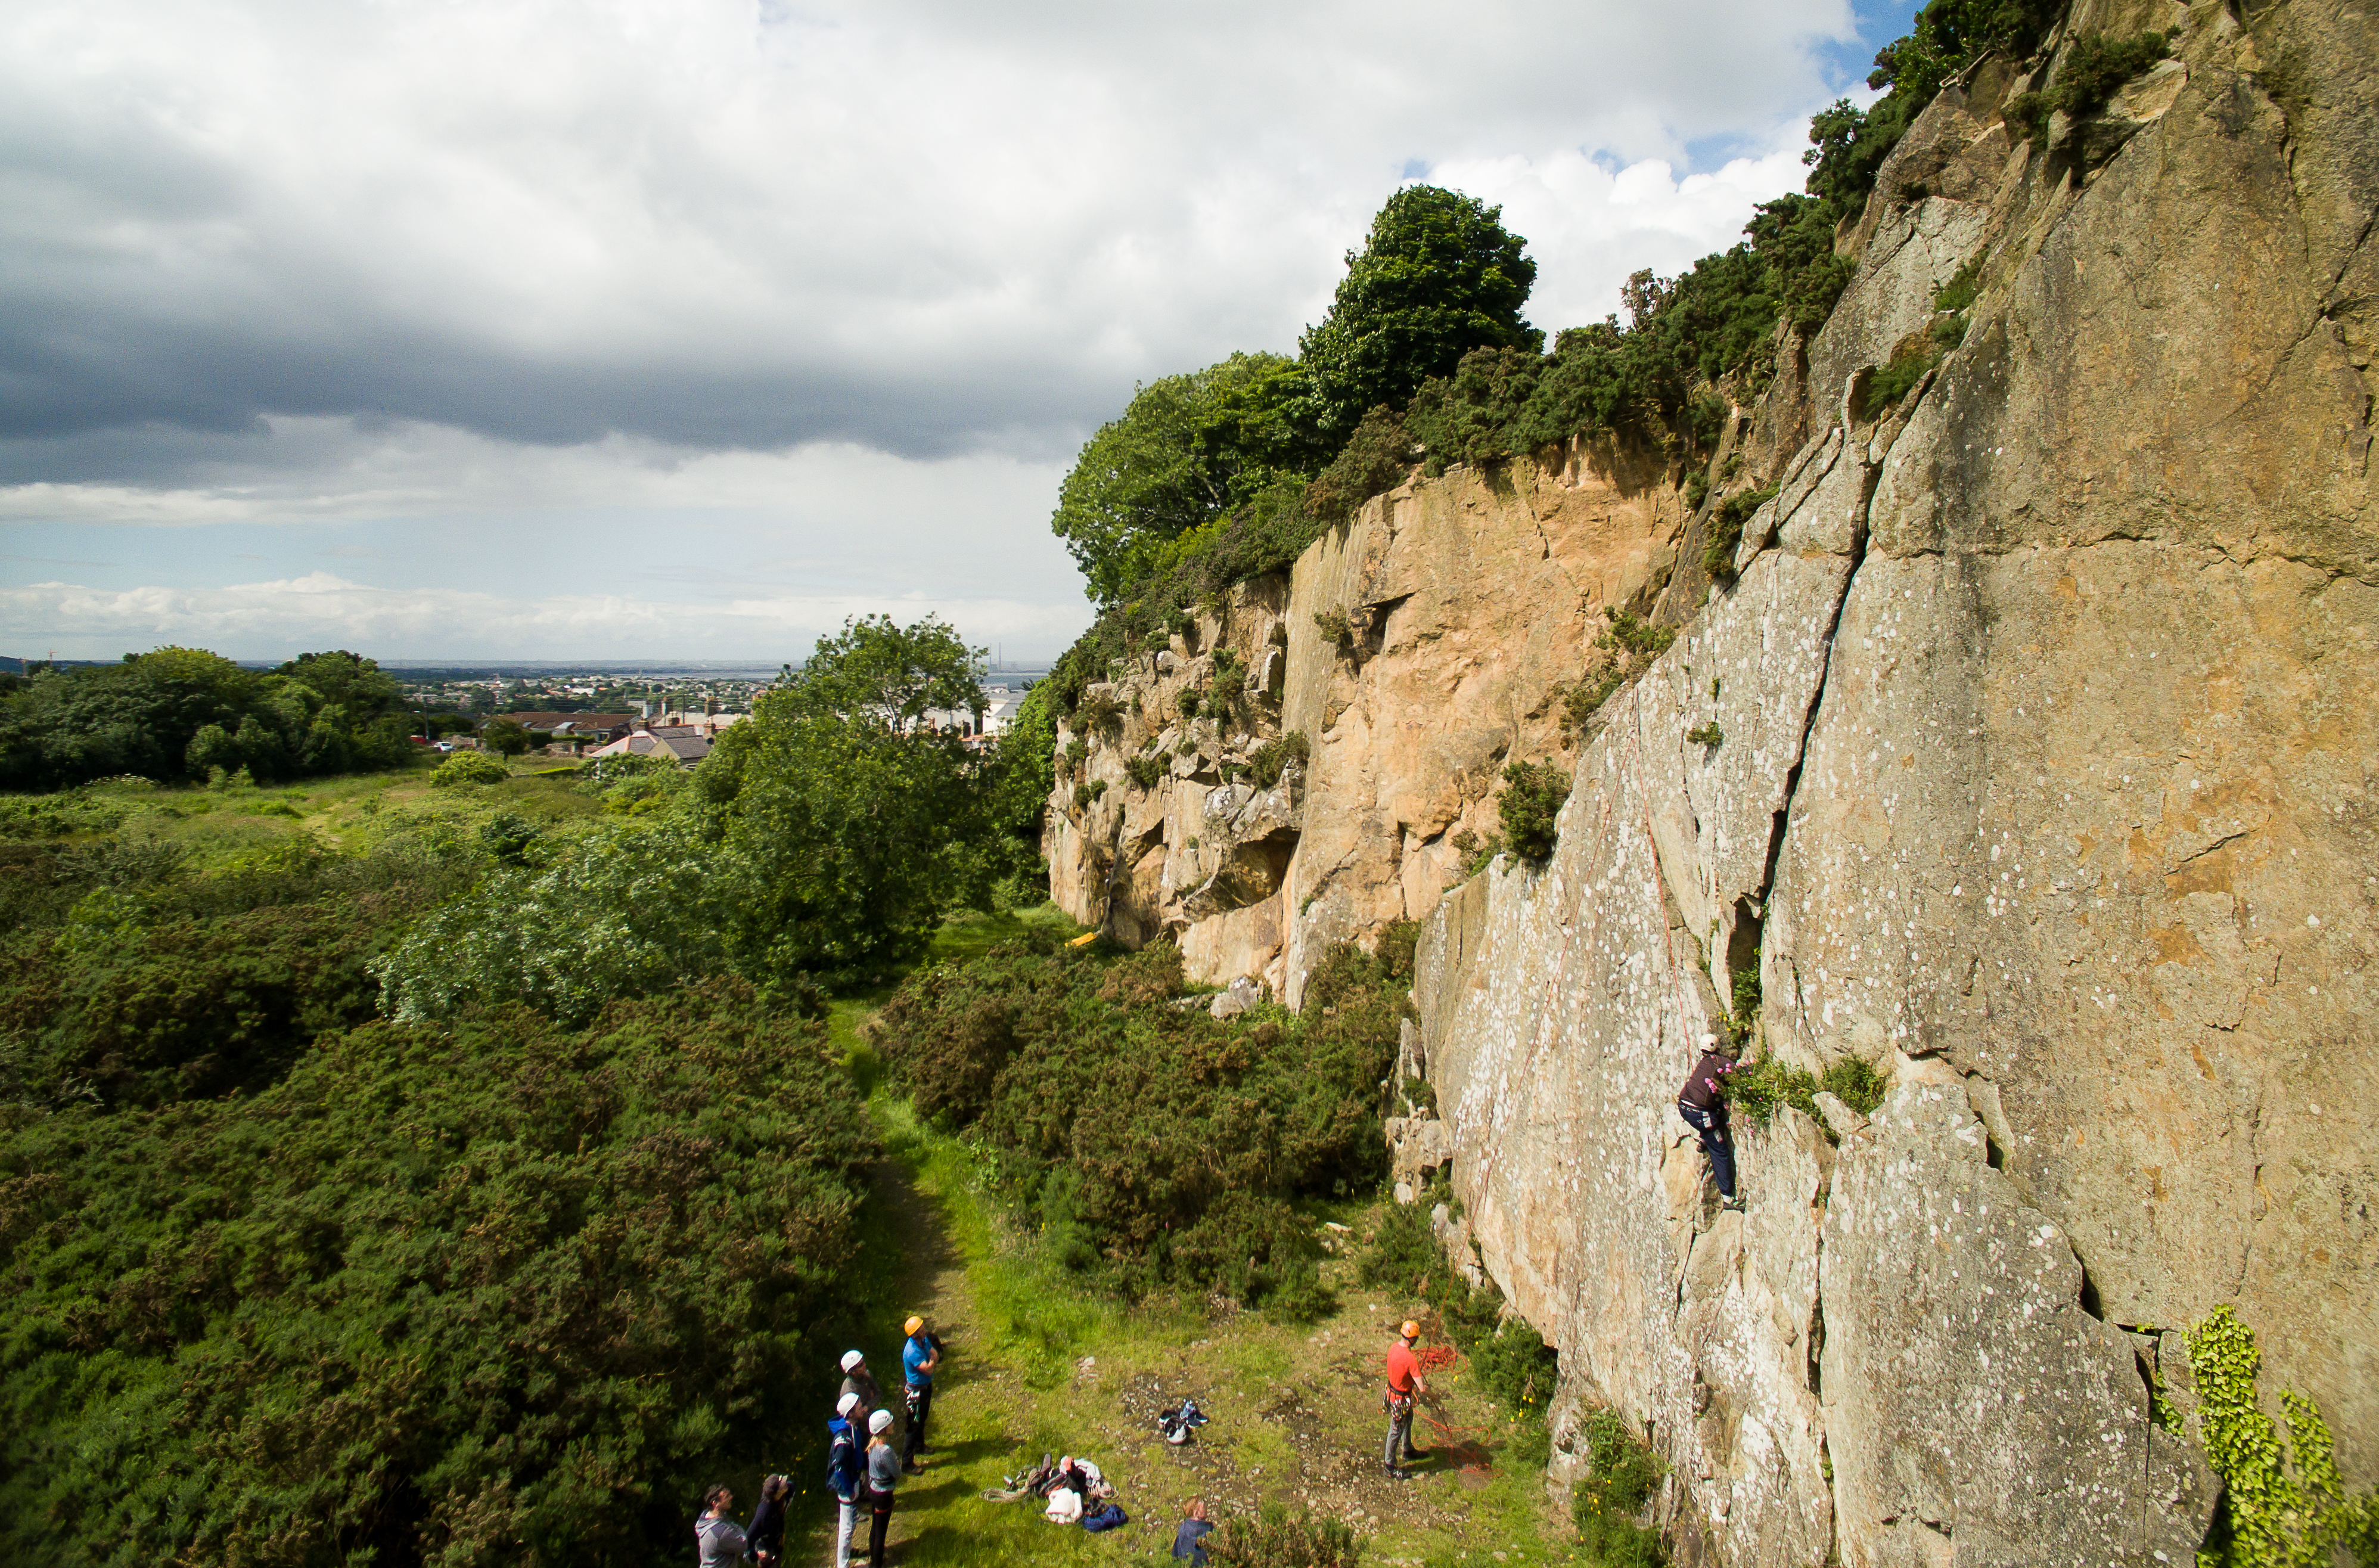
column 575, row 729
column 687, row 739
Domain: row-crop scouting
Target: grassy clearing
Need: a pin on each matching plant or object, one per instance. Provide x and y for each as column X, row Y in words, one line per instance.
column 1039, row 1365
column 348, row 812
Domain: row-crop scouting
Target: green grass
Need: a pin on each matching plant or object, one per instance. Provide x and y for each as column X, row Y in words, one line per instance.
column 1037, row 1363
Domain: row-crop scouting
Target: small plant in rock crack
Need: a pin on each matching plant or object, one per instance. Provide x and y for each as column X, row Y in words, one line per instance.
column 1706, row 734
column 2284, row 1502
column 1333, row 626
column 1145, row 771
column 1269, row 761
column 1229, row 670
column 1723, row 534
column 1477, row 854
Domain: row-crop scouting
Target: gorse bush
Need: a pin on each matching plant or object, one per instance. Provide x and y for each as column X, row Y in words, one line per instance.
column 1268, row 761
column 437, row 1295
column 1759, row 1089
column 1277, row 1539
column 1529, row 805
column 135, row 982
column 1151, row 1145
column 469, row 767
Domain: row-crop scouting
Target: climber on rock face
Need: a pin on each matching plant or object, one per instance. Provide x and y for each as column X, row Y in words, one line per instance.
column 1704, row 1108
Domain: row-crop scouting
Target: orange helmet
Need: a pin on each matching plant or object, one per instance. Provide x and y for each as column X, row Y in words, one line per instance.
column 1411, row 1328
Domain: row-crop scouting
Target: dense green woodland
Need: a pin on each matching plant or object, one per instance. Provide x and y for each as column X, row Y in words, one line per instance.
column 403, row 1167
column 184, row 713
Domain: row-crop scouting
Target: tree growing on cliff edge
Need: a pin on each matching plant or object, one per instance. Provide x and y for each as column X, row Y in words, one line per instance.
column 1438, row 276
column 1188, row 449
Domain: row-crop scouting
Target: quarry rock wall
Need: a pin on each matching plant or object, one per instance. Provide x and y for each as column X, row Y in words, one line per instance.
column 2027, row 757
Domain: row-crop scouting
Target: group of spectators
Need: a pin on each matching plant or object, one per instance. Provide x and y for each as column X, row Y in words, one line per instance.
column 864, row 1469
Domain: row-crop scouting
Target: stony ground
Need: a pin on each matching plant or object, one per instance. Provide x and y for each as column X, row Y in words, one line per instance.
column 1035, row 1366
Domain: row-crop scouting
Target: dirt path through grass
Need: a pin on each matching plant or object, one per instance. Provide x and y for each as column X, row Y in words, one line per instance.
column 1036, row 1365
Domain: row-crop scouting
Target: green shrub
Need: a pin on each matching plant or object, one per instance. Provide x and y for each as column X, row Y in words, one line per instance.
column 1230, row 671
column 468, row 767
column 1190, row 701
column 1086, row 793
column 1267, row 762
column 1635, row 635
column 1476, row 414
column 1155, row 1147
column 572, row 1274
column 1957, row 294
column 1723, row 534
column 1758, row 1089
column 1397, row 941
column 1275, row 1538
column 1705, row 733
column 1477, row 854
column 1100, row 714
column 1077, row 750
column 1375, row 460
column 1529, row 805
column 1911, row 358
column 1335, row 627
column 2028, row 113
column 1855, row 1084
column 1583, row 699
column 1145, row 771
column 1622, row 1474
column 2096, row 66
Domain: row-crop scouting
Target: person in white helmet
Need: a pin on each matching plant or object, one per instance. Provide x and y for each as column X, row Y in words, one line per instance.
column 858, row 1380
column 882, row 1479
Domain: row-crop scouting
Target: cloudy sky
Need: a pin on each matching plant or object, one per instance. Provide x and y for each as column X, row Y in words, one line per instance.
column 617, row 329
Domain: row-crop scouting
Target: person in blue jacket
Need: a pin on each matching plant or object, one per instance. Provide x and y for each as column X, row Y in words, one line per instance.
column 919, row 1356
column 845, row 1468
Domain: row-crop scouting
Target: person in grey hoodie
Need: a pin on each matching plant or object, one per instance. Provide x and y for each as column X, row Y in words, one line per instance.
column 883, row 1476
column 717, row 1535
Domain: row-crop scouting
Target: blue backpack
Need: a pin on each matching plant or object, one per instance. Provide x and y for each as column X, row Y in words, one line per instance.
column 1105, row 1517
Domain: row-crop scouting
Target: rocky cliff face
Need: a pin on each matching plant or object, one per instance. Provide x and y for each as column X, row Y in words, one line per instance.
column 1467, row 604
column 2042, row 783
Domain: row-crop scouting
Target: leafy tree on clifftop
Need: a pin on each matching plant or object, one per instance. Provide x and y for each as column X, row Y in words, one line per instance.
column 1438, row 276
column 1186, row 449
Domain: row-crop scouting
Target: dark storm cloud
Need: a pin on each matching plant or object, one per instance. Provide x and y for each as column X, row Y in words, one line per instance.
column 922, row 227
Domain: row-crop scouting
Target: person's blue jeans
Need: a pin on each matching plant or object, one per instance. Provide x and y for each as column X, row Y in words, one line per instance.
column 1711, row 1125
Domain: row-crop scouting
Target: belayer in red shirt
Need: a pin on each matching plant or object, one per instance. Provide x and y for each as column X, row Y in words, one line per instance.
column 1405, row 1383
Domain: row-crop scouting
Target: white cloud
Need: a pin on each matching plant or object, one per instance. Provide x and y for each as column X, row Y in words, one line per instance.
column 780, row 270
